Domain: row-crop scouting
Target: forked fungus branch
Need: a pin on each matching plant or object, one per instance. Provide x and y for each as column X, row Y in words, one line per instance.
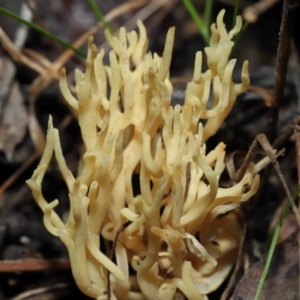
column 184, row 234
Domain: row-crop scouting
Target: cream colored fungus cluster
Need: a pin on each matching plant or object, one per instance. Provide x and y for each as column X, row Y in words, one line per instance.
column 184, row 234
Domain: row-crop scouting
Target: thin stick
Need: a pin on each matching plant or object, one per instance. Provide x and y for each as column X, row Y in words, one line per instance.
column 236, row 268
column 270, row 152
column 11, row 179
column 31, row 264
column 285, row 134
column 112, row 252
column 297, row 142
column 35, row 293
column 283, row 53
column 297, row 139
column 248, row 159
column 251, row 13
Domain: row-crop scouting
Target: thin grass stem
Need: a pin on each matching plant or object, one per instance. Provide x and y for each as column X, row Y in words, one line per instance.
column 198, row 21
column 43, row 31
column 235, row 12
column 99, row 15
column 275, row 237
column 238, row 37
column 208, row 14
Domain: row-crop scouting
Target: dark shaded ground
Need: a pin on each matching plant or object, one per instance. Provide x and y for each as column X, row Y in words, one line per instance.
column 22, row 234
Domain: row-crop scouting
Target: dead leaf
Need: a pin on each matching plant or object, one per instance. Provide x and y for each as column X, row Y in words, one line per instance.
column 282, row 280
column 14, row 120
column 7, row 74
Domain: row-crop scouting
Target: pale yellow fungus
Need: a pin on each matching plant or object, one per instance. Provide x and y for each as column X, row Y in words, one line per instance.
column 185, row 232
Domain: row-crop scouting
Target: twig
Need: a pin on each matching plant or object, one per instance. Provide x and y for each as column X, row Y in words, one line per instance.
column 270, row 152
column 252, row 12
column 11, row 179
column 283, row 53
column 30, row 264
column 112, row 252
column 236, row 175
column 297, row 143
column 236, row 268
column 248, row 159
column 33, row 294
column 297, row 140
column 285, row 134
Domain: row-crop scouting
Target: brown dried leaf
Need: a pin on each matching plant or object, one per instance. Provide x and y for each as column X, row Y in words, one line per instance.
column 14, row 120
column 282, row 279
column 7, row 74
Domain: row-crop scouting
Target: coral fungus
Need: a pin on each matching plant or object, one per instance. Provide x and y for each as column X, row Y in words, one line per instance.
column 184, row 231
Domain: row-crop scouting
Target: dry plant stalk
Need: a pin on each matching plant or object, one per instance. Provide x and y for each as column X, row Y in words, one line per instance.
column 184, row 235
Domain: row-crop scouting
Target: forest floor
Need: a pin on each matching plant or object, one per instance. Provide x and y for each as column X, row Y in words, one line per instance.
column 33, row 263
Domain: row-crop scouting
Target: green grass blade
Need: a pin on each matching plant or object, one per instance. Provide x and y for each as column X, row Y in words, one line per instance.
column 208, row 14
column 235, row 12
column 275, row 237
column 238, row 37
column 198, row 21
column 99, row 15
column 43, row 31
